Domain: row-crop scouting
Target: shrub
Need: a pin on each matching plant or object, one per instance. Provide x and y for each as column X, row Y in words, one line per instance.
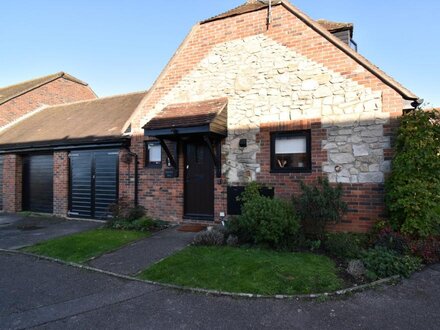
column 209, row 238
column 428, row 249
column 393, row 241
column 413, row 188
column 222, row 229
column 124, row 211
column 251, row 192
column 265, row 221
column 312, row 245
column 378, row 226
column 381, row 262
column 345, row 245
column 319, row 205
column 300, row 243
column 142, row 224
column 232, row 241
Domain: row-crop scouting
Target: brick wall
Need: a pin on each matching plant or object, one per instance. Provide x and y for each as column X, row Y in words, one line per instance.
column 60, row 183
column 163, row 198
column 55, row 92
column 127, row 176
column 12, row 183
column 365, row 201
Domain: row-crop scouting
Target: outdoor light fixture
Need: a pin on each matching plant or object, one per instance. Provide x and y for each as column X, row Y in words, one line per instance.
column 243, row 143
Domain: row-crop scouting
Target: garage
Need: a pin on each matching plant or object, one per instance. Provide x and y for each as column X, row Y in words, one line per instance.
column 93, row 183
column 92, row 133
column 38, row 183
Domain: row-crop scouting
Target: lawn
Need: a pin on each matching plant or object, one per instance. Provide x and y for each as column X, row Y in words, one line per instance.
column 247, row 270
column 81, row 247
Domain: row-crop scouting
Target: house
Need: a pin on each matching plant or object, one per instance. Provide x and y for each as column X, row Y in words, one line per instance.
column 261, row 92
column 22, row 98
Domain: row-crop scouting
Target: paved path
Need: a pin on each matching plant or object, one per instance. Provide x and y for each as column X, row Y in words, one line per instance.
column 17, row 230
column 46, row 295
column 137, row 256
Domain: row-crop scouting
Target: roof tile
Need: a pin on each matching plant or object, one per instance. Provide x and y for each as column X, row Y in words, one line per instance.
column 187, row 114
column 86, row 120
column 9, row 92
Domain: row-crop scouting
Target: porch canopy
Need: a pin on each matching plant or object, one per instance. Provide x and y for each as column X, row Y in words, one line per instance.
column 183, row 119
column 206, row 120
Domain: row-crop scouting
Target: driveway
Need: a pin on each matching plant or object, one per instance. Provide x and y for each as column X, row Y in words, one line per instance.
column 17, row 230
column 46, row 295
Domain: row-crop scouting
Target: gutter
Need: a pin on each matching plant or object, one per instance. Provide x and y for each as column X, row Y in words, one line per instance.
column 60, row 146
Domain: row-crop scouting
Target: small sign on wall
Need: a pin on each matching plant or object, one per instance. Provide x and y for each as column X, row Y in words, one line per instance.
column 171, row 173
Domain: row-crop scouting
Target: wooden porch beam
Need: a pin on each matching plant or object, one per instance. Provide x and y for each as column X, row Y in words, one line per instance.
column 169, row 154
column 215, row 157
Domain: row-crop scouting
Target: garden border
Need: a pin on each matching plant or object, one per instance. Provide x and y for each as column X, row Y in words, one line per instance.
column 338, row 293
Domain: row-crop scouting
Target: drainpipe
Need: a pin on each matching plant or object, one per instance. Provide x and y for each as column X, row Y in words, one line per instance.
column 136, row 176
column 136, row 180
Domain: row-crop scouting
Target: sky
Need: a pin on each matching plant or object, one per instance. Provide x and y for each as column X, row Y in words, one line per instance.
column 121, row 46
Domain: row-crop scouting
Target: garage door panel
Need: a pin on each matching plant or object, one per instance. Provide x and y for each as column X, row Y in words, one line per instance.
column 94, row 182
column 80, row 183
column 38, row 183
column 106, row 180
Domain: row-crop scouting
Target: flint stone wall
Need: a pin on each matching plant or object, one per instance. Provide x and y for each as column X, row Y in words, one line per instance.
column 267, row 82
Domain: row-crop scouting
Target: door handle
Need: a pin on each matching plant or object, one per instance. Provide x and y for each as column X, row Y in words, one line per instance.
column 187, row 167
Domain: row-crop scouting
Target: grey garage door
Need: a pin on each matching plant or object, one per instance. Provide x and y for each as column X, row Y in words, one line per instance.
column 38, row 183
column 93, row 183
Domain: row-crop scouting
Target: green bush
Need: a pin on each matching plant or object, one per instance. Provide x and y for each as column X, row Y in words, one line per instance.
column 381, row 262
column 392, row 241
column 318, row 205
column 312, row 245
column 427, row 248
column 345, row 245
column 222, row 229
column 413, row 189
column 209, row 238
column 123, row 210
column 142, row 224
column 265, row 221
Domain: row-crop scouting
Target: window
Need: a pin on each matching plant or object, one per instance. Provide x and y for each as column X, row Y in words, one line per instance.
column 291, row 151
column 153, row 154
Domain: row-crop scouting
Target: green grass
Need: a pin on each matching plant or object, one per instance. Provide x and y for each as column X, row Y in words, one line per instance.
column 81, row 247
column 247, row 270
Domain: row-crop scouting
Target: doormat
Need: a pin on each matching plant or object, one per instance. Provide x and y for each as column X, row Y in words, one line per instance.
column 192, row 228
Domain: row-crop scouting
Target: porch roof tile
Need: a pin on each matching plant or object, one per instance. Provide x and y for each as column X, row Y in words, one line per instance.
column 188, row 114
